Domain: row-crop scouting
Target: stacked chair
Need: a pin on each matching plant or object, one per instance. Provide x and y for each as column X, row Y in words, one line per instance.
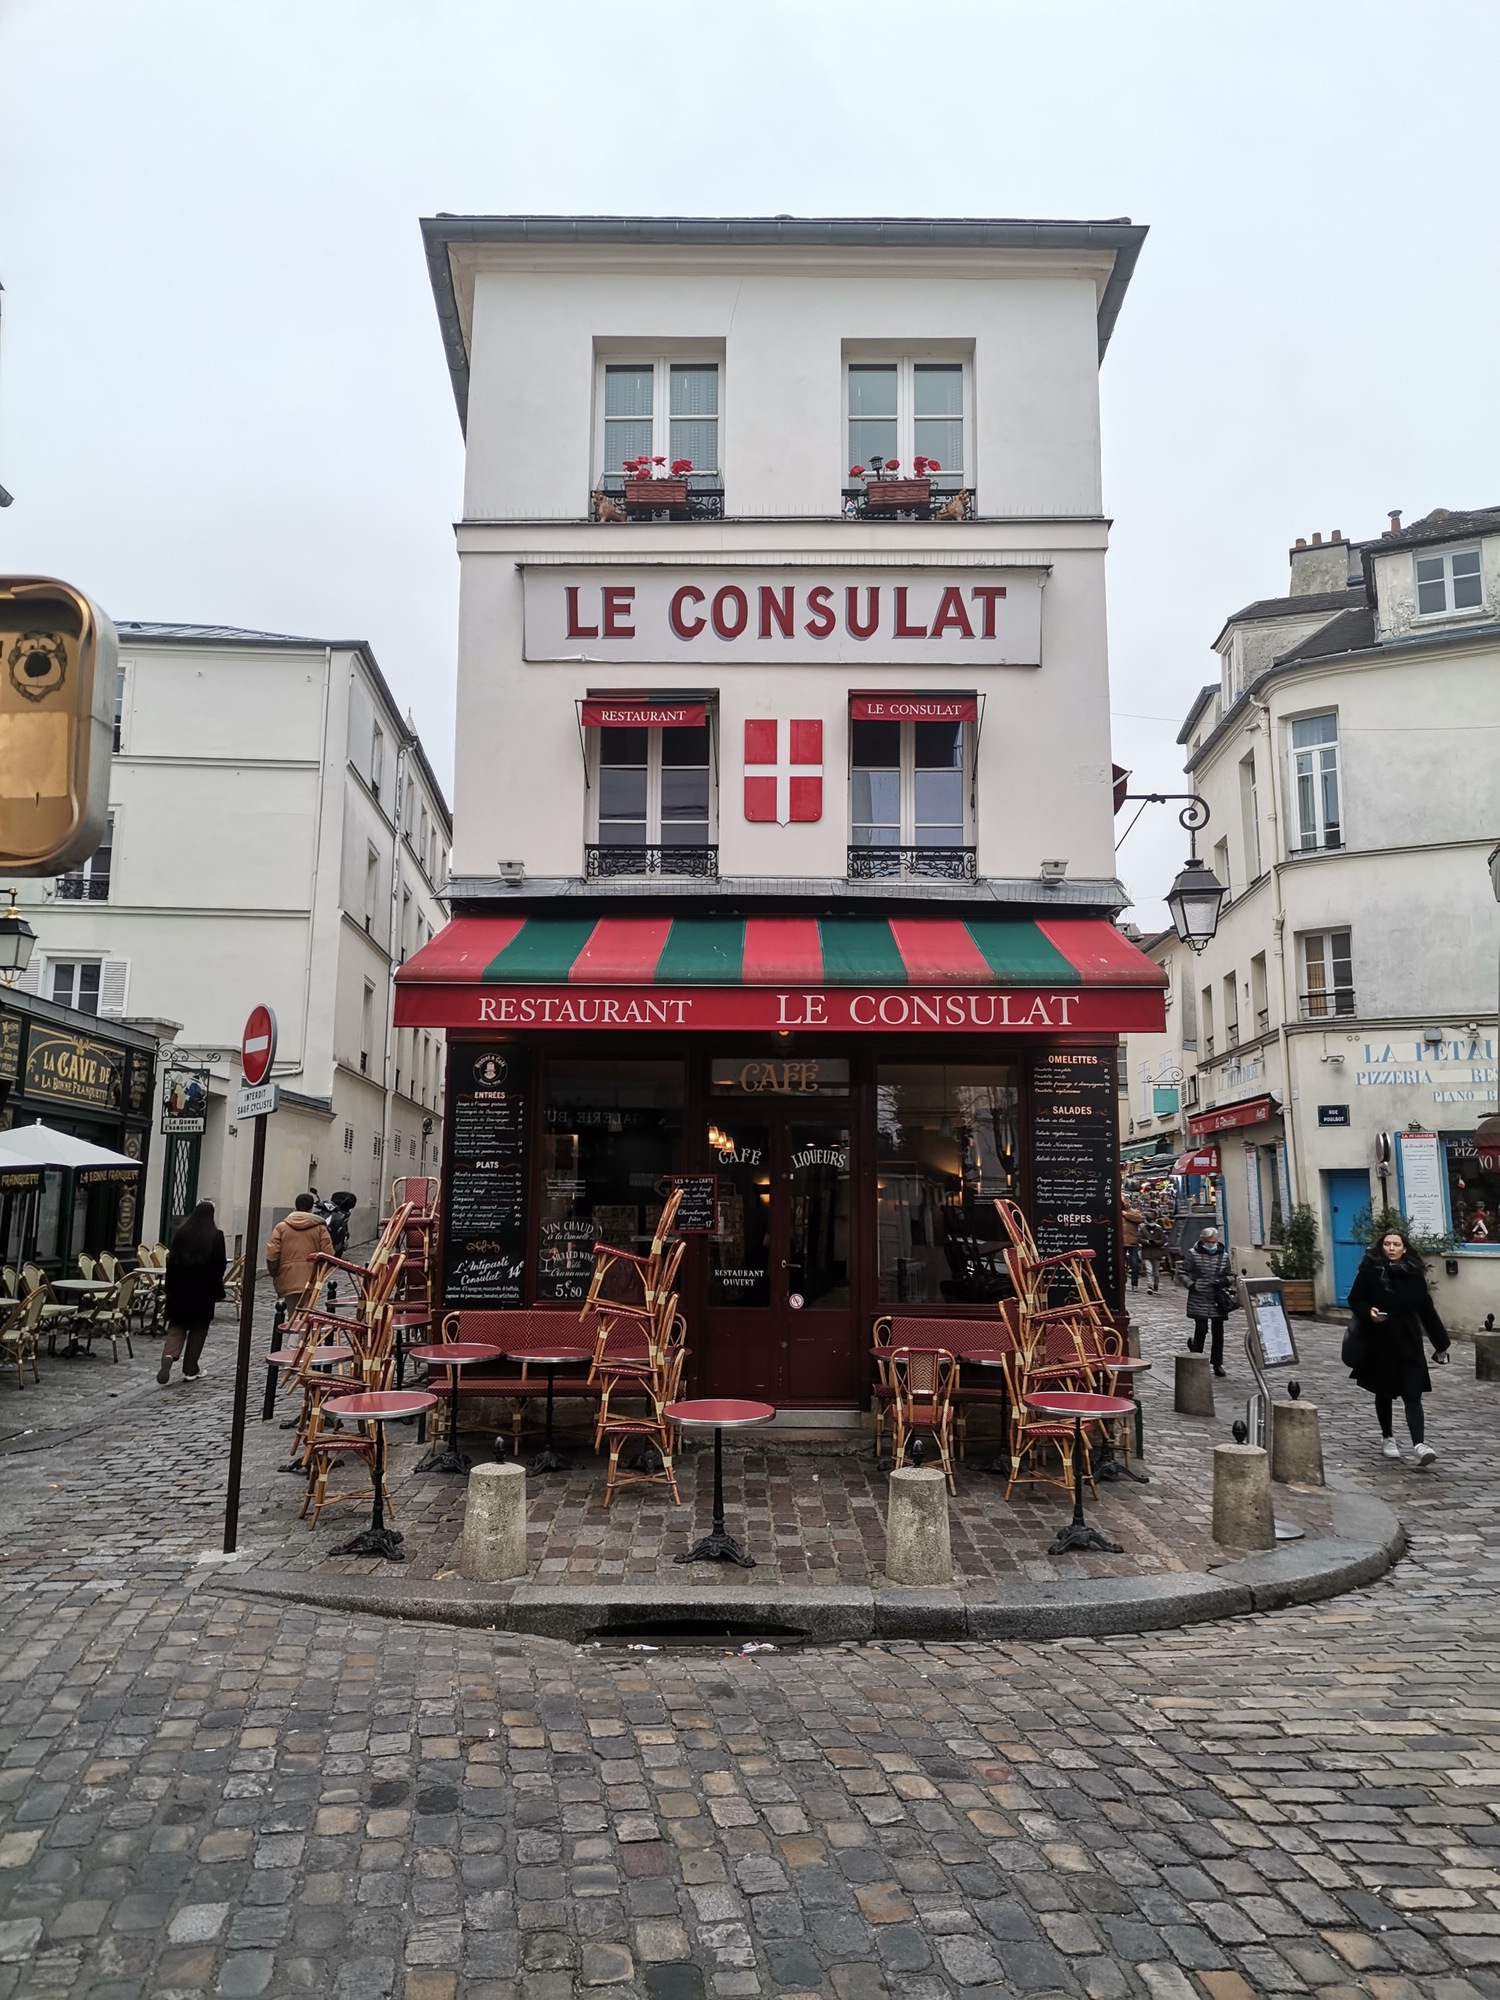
column 416, row 1197
column 638, row 1352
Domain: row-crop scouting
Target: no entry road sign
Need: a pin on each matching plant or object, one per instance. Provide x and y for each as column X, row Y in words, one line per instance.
column 258, row 1047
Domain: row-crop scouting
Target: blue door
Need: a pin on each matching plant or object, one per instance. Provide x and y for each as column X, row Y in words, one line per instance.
column 1348, row 1197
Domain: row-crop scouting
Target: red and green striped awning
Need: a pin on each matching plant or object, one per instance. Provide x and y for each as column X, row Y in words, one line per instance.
column 847, row 972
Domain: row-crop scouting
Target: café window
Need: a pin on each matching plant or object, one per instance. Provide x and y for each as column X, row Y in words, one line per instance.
column 947, row 1144
column 652, row 803
column 1449, row 581
column 1473, row 1192
column 909, row 801
column 611, row 1136
column 1315, row 783
column 660, row 409
column 906, row 409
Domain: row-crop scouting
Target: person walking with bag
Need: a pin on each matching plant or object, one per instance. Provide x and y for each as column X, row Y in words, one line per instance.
column 1206, row 1266
column 1153, row 1240
column 196, row 1263
column 1393, row 1309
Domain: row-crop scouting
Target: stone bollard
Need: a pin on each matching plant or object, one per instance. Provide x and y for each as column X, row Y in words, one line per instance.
column 492, row 1547
column 1242, row 1497
column 917, row 1546
column 1195, row 1386
column 1487, row 1357
column 1296, row 1444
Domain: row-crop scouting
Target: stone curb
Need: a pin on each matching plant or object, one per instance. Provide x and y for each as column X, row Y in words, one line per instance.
column 1367, row 1540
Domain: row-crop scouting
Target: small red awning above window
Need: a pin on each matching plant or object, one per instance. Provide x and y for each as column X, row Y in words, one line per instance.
column 1204, row 1161
column 913, row 707
column 1229, row 1117
column 632, row 712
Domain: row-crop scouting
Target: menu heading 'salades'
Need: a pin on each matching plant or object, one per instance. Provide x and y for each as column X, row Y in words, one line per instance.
column 979, row 617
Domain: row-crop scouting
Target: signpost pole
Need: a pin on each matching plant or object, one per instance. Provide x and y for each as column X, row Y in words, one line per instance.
column 242, row 1359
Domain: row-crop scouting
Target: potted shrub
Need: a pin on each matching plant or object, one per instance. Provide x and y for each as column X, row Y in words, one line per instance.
column 887, row 492
column 650, row 491
column 1297, row 1259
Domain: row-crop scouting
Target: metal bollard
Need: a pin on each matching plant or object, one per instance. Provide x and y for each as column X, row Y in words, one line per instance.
column 278, row 1324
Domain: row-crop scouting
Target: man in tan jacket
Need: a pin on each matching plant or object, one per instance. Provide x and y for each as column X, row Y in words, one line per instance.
column 295, row 1241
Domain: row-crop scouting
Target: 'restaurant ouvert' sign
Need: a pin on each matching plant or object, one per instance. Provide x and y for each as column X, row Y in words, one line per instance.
column 960, row 617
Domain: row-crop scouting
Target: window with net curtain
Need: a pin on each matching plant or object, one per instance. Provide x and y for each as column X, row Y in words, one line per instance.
column 906, row 784
column 947, row 1144
column 667, row 409
column 907, row 410
column 654, row 787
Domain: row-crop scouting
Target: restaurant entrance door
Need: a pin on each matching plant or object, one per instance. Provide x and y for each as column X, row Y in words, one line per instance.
column 780, row 1306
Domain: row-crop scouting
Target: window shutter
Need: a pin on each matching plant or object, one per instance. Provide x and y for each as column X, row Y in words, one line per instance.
column 114, row 988
column 30, row 980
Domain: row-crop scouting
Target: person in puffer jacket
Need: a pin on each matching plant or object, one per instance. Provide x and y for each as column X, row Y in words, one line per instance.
column 1206, row 1265
column 295, row 1241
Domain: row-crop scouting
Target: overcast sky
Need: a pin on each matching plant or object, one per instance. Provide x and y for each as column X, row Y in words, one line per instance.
column 223, row 396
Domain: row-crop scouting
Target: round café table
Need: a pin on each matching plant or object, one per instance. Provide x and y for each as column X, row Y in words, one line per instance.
column 452, row 1355
column 719, row 1414
column 1113, row 1465
column 74, row 1291
column 378, row 1407
column 550, row 1355
column 1078, row 1404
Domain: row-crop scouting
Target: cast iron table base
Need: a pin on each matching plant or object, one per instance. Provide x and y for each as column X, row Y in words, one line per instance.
column 718, row 1545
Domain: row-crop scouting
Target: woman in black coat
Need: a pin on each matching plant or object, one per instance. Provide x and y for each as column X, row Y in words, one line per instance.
column 1205, row 1267
column 196, row 1263
column 1393, row 1308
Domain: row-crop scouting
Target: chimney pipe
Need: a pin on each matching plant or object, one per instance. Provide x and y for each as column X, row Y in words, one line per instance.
column 1317, row 541
column 1395, row 521
column 1338, row 534
column 1302, row 541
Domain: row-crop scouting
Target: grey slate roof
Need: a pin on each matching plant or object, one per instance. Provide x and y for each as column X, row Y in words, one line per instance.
column 1346, row 633
column 218, row 635
column 1298, row 607
column 1439, row 526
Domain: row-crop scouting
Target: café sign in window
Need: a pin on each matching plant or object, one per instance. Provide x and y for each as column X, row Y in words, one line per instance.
column 779, row 1076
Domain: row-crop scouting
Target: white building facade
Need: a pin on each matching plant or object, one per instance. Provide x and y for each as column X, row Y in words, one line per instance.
column 276, row 835
column 783, row 853
column 1346, row 1010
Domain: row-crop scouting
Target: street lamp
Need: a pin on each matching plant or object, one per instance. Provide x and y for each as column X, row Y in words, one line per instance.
column 1197, row 896
column 17, row 942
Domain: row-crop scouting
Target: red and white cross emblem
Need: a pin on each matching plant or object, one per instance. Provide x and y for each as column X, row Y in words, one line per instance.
column 783, row 771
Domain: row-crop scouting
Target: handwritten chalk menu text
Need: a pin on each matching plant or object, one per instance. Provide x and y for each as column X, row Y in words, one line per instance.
column 1074, row 1139
column 486, row 1254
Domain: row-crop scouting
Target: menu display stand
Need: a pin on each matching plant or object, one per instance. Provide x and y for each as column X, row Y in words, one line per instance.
column 1269, row 1343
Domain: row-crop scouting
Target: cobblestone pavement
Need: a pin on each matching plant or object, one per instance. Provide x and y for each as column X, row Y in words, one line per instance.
column 202, row 1794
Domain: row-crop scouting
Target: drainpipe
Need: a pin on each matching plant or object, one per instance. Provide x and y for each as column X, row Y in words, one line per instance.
column 387, row 1066
column 1278, row 924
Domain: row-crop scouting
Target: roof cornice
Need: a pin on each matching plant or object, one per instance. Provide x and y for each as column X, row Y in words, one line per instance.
column 1119, row 237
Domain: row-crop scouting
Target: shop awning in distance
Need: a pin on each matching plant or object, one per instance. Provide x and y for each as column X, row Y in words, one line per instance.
column 756, row 974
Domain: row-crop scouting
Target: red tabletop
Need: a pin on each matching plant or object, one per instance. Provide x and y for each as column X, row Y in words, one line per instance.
column 550, row 1354
column 453, row 1353
column 315, row 1357
column 381, row 1405
column 720, row 1413
column 1079, row 1403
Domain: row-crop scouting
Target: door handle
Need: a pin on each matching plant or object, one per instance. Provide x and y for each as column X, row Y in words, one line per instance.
column 783, row 1263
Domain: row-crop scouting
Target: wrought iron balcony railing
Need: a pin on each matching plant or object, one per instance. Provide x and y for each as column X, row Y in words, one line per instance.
column 911, row 864
column 1326, row 1005
column 81, row 889
column 607, row 863
column 704, row 502
column 905, row 500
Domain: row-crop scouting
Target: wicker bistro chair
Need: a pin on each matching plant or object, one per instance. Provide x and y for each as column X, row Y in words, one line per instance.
column 9, row 1284
column 18, row 1335
column 922, row 1380
column 1056, row 1362
column 630, row 1357
column 87, row 1265
column 109, row 1266
column 108, row 1313
column 651, row 1427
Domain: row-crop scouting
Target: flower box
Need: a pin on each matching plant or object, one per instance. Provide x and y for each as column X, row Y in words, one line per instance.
column 656, row 496
column 891, row 496
column 1297, row 1297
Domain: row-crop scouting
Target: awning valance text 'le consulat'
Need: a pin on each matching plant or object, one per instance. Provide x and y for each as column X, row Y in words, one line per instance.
column 764, row 974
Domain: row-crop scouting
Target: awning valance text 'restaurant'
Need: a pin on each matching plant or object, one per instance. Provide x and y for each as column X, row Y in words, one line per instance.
column 628, row 713
column 829, row 974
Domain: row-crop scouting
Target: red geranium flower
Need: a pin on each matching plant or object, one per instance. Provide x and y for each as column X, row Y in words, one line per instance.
column 856, row 472
column 893, row 465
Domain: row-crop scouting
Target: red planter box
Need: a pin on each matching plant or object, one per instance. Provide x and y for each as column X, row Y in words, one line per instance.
column 655, row 495
column 888, row 496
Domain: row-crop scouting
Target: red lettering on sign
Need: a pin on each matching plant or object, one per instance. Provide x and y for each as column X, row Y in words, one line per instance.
column 730, row 598
column 575, row 630
column 782, row 608
column 680, row 624
column 871, row 626
column 619, row 602
column 903, row 630
column 988, row 594
column 820, row 604
column 951, row 615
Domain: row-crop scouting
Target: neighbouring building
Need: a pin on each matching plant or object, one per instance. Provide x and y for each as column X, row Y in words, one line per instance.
column 276, row 835
column 1158, row 1073
column 1346, row 1010
column 784, row 851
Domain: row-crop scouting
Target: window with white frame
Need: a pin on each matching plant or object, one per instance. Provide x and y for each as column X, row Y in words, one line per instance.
column 74, row 982
column 653, row 800
column 908, row 409
column 662, row 409
column 1317, row 817
column 1449, row 580
column 377, row 759
column 908, row 798
column 89, row 881
column 119, row 737
column 1327, row 975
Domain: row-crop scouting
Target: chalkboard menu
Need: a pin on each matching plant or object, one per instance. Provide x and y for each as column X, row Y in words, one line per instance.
column 1074, row 1139
column 699, row 1212
column 486, row 1219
